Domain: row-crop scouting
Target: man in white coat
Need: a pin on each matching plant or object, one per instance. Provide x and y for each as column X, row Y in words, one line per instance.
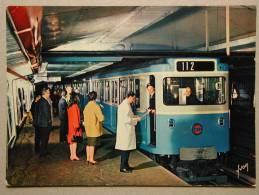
column 126, row 136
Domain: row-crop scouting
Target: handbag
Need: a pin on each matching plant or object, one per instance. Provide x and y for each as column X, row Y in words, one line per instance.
column 77, row 137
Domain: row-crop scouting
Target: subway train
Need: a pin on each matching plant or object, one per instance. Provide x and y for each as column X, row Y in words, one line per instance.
column 20, row 94
column 184, row 131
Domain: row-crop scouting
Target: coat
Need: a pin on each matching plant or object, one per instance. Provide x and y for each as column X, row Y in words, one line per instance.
column 74, row 121
column 126, row 135
column 44, row 115
column 93, row 119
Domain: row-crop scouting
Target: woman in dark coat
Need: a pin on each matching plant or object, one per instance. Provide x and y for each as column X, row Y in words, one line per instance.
column 74, row 128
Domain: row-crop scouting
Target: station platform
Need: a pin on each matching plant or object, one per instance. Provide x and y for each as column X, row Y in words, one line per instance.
column 25, row 168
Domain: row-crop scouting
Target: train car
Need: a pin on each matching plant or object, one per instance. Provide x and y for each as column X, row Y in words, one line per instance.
column 197, row 130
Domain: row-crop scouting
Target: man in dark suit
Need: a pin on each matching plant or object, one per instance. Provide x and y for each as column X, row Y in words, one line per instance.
column 44, row 120
column 62, row 109
column 190, row 98
column 152, row 110
column 34, row 112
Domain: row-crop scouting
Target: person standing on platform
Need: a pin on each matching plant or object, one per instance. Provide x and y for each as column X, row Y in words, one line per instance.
column 80, row 102
column 69, row 91
column 126, row 135
column 44, row 121
column 74, row 128
column 152, row 112
column 34, row 113
column 93, row 118
column 62, row 110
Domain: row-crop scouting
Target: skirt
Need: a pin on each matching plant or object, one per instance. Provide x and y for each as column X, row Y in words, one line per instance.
column 92, row 141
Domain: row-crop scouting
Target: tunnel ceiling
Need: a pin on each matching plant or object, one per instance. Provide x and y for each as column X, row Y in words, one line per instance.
column 136, row 29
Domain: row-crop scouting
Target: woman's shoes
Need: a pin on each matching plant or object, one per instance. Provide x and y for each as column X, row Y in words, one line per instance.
column 91, row 162
column 74, row 158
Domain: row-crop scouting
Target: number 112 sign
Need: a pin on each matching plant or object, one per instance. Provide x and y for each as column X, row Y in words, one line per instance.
column 188, row 66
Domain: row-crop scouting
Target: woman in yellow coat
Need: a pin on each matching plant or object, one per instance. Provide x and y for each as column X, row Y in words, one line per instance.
column 93, row 119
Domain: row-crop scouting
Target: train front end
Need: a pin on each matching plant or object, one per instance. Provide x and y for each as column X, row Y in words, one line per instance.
column 192, row 114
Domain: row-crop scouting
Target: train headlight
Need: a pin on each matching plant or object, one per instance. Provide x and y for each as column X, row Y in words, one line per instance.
column 197, row 129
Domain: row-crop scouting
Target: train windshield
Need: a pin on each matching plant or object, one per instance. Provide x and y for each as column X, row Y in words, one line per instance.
column 194, row 90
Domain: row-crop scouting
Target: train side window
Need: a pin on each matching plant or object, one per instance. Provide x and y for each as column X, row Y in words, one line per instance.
column 97, row 89
column 107, row 91
column 112, row 91
column 116, row 89
column 131, row 85
column 123, row 89
column 94, row 86
column 87, row 87
column 101, row 90
column 137, row 91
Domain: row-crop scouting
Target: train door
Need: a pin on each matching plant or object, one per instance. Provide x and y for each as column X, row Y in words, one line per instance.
column 142, row 104
column 152, row 108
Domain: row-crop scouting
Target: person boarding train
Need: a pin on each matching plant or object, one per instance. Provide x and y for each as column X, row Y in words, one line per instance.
column 126, row 136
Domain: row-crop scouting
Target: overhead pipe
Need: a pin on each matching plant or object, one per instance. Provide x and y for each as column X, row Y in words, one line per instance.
column 26, row 22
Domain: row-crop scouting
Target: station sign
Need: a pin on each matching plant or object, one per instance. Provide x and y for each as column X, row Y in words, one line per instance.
column 187, row 66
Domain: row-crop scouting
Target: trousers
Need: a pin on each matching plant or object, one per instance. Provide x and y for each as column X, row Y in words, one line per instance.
column 44, row 138
column 124, row 159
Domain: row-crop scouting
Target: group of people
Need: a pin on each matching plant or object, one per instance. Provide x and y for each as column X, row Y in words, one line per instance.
column 74, row 120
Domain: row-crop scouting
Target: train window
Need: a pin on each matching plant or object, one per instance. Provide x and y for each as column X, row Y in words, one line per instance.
column 116, row 92
column 123, row 89
column 84, row 89
column 94, row 85
column 107, row 91
column 137, row 91
column 112, row 91
column 194, row 90
column 101, row 91
column 131, row 85
column 97, row 89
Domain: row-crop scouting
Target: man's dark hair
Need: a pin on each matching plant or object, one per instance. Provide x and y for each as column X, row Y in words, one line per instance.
column 44, row 89
column 37, row 93
column 92, row 95
column 131, row 94
column 150, row 84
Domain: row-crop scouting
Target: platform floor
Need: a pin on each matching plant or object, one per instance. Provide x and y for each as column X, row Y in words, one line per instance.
column 26, row 169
